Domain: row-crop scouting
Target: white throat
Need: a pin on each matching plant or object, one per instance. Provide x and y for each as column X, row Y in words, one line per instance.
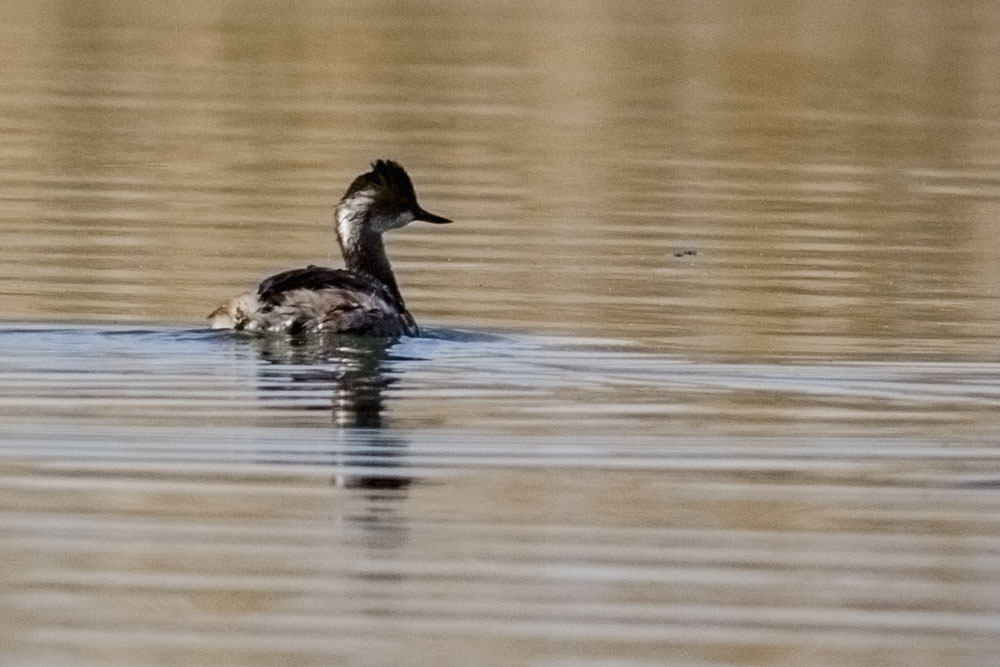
column 350, row 217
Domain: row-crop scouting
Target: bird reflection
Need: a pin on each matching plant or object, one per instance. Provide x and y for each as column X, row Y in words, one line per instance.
column 348, row 375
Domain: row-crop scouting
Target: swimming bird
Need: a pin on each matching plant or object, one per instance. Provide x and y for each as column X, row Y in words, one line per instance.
column 361, row 299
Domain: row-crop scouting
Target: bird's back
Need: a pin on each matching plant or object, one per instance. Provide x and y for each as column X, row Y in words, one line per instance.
column 317, row 299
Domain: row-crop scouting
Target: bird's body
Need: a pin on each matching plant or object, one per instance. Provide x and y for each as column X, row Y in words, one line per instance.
column 361, row 299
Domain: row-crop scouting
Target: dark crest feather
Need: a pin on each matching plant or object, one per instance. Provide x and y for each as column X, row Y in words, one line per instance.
column 385, row 175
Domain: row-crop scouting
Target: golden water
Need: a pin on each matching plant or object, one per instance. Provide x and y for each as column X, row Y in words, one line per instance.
column 711, row 374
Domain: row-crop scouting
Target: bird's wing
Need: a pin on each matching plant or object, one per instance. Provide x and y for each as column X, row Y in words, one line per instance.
column 316, row 278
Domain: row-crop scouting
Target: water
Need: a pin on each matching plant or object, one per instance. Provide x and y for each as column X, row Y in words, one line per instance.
column 710, row 372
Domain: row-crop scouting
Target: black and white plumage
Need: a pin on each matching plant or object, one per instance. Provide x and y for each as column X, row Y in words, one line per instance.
column 361, row 299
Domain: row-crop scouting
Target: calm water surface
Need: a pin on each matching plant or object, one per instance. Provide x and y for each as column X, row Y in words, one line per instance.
column 710, row 373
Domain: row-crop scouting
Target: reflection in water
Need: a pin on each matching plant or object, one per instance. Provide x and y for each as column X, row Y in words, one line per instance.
column 351, row 371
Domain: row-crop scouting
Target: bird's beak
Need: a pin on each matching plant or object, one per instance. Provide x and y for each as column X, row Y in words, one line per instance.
column 426, row 216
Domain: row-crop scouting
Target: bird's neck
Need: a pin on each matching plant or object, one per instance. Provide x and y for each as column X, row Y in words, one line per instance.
column 364, row 251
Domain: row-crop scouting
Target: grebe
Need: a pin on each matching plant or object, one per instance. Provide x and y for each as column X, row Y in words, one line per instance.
column 364, row 298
